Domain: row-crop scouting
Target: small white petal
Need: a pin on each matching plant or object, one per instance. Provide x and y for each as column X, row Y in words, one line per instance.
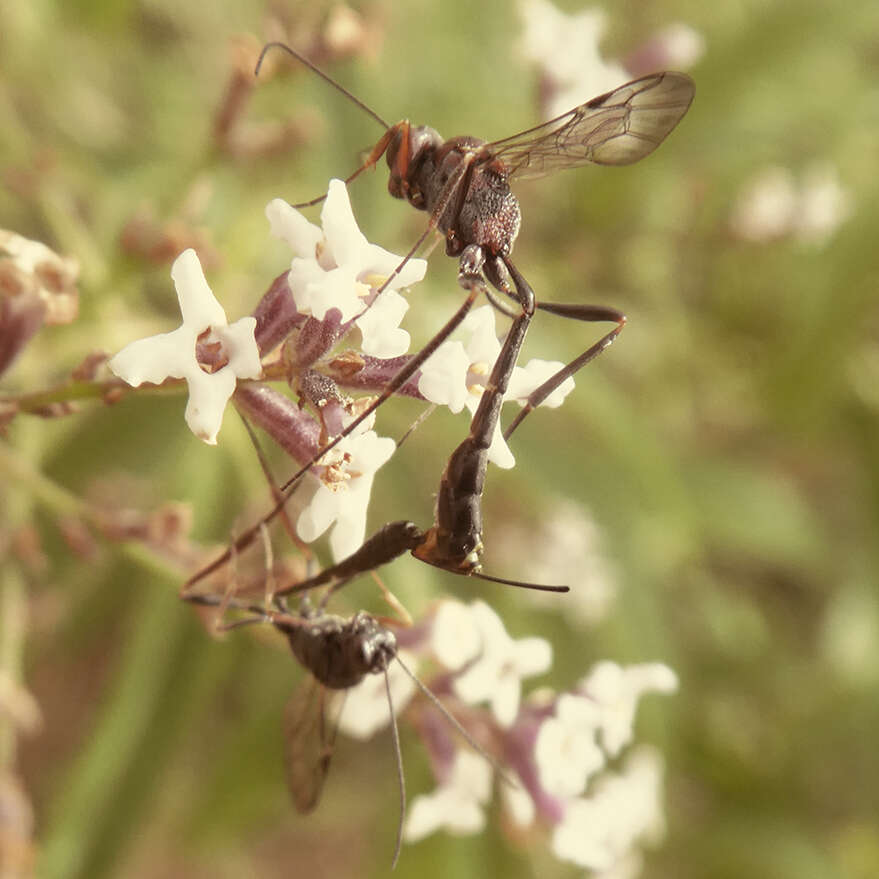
column 198, row 305
column 424, row 816
column 519, row 805
column 345, row 502
column 318, row 515
column 602, row 829
column 683, row 45
column 767, row 207
column 173, row 355
column 456, row 805
column 505, row 698
column 526, row 379
column 380, row 326
column 349, row 246
column 344, row 238
column 455, row 638
column 566, row 752
column 292, row 227
column 532, row 656
column 579, row 838
column 483, row 346
column 208, row 395
column 337, row 288
column 496, row 672
column 444, row 376
column 240, row 346
column 616, row 691
column 499, row 452
column 167, row 355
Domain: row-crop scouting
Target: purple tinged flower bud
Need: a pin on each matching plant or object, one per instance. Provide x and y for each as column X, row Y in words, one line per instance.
column 292, row 428
column 276, row 316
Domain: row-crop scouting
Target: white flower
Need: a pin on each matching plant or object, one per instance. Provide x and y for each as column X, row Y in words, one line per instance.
column 564, row 547
column 616, row 690
column 824, row 204
column 766, row 207
column 495, row 675
column 443, row 377
column 567, row 50
column 338, row 268
column 774, row 205
column 343, row 494
column 528, row 378
column 380, row 326
column 682, row 45
column 173, row 355
column 41, row 272
column 566, row 752
column 599, row 831
column 366, row 711
column 455, row 376
column 456, row 805
column 455, row 638
column 517, row 801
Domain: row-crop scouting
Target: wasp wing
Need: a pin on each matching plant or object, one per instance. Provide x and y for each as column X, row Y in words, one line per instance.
column 308, row 744
column 616, row 128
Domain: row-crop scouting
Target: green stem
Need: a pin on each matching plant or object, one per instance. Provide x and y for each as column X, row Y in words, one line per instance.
column 63, row 503
column 71, row 392
column 13, row 623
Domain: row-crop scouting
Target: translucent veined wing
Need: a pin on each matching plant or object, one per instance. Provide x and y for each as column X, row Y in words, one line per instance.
column 616, row 128
column 308, row 744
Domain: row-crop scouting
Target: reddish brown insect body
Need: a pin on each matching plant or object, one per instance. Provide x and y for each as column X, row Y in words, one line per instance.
column 464, row 185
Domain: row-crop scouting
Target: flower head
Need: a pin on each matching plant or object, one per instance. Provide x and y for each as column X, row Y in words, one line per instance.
column 457, row 804
column 601, row 830
column 568, row 50
column 615, row 690
column 338, row 268
column 775, row 205
column 496, row 671
column 173, row 355
column 566, row 752
column 342, row 493
column 37, row 286
column 457, row 373
column 366, row 708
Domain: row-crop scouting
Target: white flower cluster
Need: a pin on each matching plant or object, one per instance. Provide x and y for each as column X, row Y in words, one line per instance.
column 455, row 376
column 173, row 355
column 774, row 204
column 558, row 746
column 337, row 268
column 567, row 49
column 334, row 271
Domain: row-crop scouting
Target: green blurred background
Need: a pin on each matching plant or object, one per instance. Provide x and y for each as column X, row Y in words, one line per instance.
column 726, row 449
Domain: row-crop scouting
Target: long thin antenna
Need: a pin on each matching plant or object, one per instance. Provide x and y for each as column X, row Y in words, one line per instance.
column 398, row 754
column 457, row 725
column 519, row 584
column 324, row 76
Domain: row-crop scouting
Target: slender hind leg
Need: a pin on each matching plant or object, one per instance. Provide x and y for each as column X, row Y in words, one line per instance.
column 591, row 313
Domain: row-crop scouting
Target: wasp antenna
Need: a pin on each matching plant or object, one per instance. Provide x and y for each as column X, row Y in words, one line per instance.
column 520, row 584
column 398, row 755
column 457, row 725
column 324, row 76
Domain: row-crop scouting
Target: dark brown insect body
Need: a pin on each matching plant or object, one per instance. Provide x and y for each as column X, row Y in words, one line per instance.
column 339, row 652
column 488, row 216
column 464, row 185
